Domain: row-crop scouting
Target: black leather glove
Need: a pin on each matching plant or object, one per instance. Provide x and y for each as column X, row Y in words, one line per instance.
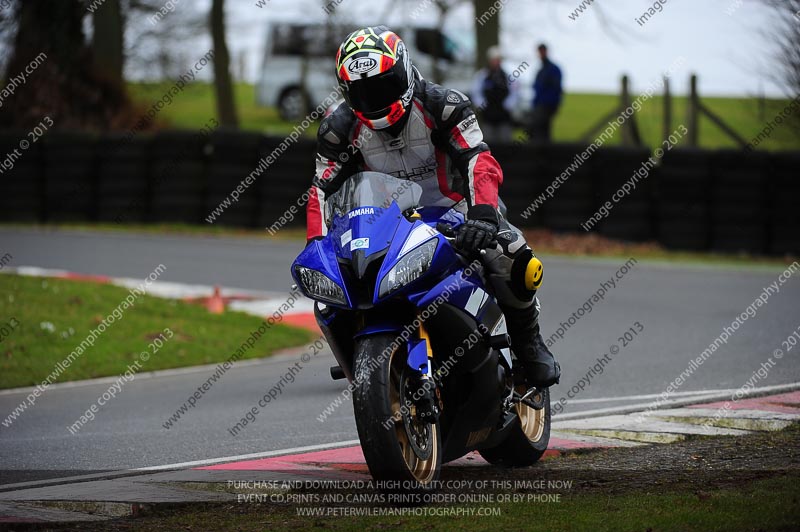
column 475, row 235
column 480, row 229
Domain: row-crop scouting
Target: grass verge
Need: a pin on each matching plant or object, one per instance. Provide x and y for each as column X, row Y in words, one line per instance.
column 771, row 504
column 53, row 316
column 721, row 483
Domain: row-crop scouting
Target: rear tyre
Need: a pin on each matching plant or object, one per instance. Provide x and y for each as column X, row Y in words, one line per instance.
column 395, row 445
column 528, row 439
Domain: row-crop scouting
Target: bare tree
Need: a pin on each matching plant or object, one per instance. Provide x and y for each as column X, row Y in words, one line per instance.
column 786, row 37
column 444, row 7
column 107, row 40
column 8, row 29
column 784, row 32
column 161, row 50
column 223, row 86
column 487, row 28
column 65, row 85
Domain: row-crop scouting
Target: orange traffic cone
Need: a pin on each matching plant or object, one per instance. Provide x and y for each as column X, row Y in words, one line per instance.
column 215, row 304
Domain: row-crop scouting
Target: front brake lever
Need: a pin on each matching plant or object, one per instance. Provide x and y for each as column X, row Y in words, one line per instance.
column 449, row 233
column 446, row 229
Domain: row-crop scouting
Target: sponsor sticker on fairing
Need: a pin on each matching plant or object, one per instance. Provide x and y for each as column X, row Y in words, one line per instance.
column 346, row 237
column 359, row 243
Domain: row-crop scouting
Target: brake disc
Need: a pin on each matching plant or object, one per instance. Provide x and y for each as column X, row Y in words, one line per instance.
column 420, row 435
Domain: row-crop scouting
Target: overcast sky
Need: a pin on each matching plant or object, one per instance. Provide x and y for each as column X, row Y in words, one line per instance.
column 728, row 52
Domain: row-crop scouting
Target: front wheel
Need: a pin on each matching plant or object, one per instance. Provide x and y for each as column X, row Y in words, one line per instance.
column 396, row 445
column 527, row 440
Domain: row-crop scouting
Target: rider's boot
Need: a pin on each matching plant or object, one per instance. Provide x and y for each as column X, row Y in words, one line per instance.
column 516, row 274
column 541, row 368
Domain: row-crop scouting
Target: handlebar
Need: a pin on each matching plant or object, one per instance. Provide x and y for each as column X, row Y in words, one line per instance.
column 449, row 233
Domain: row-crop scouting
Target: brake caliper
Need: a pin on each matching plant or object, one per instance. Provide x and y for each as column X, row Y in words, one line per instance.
column 428, row 400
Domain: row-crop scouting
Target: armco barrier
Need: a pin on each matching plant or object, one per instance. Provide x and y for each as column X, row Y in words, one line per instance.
column 21, row 186
column 575, row 200
column 178, row 178
column 682, row 193
column 69, row 177
column 528, row 182
column 121, row 192
column 232, row 156
column 703, row 200
column 783, row 210
column 632, row 218
column 739, row 201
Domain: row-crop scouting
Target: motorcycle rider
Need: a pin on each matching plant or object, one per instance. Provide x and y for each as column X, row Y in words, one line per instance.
column 395, row 122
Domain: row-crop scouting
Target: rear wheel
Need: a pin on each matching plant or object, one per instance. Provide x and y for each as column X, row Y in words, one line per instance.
column 527, row 440
column 396, row 445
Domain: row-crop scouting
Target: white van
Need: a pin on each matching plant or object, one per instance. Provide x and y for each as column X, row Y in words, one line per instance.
column 295, row 80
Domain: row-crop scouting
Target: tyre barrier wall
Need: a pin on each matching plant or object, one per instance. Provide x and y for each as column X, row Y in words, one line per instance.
column 722, row 200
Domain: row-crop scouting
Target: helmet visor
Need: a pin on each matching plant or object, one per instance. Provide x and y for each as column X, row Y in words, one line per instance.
column 377, row 93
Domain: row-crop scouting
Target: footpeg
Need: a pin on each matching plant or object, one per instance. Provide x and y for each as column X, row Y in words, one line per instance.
column 499, row 341
column 533, row 398
column 337, row 373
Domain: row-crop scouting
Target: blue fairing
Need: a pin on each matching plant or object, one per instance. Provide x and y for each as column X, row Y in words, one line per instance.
column 456, row 290
column 434, row 215
column 366, row 243
column 408, row 237
column 319, row 255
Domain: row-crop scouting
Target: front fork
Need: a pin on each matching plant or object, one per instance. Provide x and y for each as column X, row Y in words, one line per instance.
column 425, row 395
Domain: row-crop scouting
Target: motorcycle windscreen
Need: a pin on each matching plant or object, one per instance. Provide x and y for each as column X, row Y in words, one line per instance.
column 371, row 189
column 365, row 212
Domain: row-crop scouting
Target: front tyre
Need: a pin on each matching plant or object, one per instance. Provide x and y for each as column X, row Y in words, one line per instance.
column 396, row 445
column 527, row 440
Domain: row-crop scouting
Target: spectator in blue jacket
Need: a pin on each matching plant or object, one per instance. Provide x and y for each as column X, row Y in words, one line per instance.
column 547, row 97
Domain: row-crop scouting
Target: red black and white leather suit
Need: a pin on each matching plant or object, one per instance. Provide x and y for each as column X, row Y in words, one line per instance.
column 439, row 145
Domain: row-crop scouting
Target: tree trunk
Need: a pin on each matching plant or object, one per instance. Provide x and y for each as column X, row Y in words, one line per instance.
column 107, row 40
column 57, row 75
column 487, row 29
column 223, row 86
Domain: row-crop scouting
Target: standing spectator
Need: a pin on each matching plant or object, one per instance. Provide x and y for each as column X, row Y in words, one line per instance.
column 493, row 96
column 547, row 97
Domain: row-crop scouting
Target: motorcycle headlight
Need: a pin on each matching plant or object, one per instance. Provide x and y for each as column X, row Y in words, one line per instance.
column 319, row 286
column 409, row 268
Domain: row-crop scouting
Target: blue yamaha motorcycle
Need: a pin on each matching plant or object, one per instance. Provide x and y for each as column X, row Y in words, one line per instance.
column 418, row 334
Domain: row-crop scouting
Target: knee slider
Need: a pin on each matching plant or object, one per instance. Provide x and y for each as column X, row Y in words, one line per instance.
column 534, row 274
column 526, row 275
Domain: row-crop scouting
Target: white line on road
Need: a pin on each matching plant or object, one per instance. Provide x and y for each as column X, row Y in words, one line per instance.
column 289, row 353
column 708, row 396
column 252, row 456
column 717, row 395
column 686, row 401
column 196, row 463
column 648, row 396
